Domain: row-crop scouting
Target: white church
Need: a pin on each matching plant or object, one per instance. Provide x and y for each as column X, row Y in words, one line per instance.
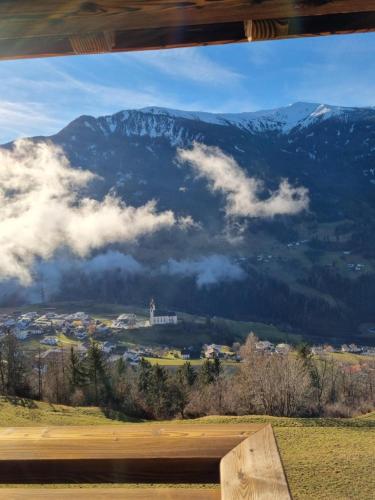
column 159, row 317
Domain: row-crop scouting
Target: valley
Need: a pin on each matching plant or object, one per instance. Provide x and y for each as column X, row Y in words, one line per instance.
column 309, row 273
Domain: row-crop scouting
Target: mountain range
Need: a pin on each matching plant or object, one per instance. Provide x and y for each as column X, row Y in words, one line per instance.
column 311, row 272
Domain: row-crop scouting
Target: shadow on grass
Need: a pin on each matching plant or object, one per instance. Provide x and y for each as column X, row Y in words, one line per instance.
column 362, row 422
column 24, row 402
column 119, row 416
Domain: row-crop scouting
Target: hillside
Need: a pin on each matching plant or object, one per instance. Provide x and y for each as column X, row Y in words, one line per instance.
column 22, row 411
column 311, row 272
column 328, row 459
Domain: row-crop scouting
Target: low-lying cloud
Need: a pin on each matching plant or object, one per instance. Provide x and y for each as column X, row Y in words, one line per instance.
column 112, row 260
column 41, row 211
column 208, row 270
column 241, row 192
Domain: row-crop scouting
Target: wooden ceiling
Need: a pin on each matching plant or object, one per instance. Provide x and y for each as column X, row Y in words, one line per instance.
column 42, row 28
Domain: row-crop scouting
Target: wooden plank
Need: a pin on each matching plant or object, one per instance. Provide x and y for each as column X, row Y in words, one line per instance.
column 45, row 28
column 53, row 17
column 129, row 40
column 187, row 36
column 253, row 470
column 110, row 493
column 121, row 441
column 122, row 453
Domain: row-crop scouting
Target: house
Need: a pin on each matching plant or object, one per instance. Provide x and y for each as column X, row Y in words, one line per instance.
column 34, row 330
column 185, row 354
column 282, row 348
column 160, row 317
column 23, row 323
column 354, row 348
column 264, row 345
column 29, row 316
column 125, row 321
column 81, row 333
column 43, row 320
column 50, row 341
column 107, row 347
column 21, row 334
column 317, row 349
column 131, row 357
column 212, row 351
column 102, row 329
column 78, row 316
column 9, row 322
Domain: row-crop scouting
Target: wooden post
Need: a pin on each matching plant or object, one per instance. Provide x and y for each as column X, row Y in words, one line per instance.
column 253, row 470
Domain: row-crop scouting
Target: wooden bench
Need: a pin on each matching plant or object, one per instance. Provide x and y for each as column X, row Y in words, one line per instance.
column 243, row 458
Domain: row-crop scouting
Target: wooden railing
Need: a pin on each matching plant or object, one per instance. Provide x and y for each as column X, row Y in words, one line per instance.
column 241, row 460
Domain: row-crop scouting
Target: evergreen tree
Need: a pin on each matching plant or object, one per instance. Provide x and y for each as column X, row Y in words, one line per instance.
column 13, row 376
column 77, row 372
column 186, row 375
column 159, row 392
column 184, row 381
column 96, row 368
column 144, row 376
column 210, row 371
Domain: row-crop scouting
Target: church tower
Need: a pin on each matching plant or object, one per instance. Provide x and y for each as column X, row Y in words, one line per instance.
column 152, row 310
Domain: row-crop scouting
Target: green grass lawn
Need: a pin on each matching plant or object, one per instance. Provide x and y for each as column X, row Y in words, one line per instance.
column 179, row 362
column 330, row 459
column 173, row 361
column 324, row 459
column 23, row 412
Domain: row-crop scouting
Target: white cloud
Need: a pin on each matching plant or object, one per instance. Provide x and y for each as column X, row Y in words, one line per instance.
column 241, row 192
column 20, row 118
column 189, row 64
column 41, row 211
column 52, row 96
column 208, row 270
column 112, row 260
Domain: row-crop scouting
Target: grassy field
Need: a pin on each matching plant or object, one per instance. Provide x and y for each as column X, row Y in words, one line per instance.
column 23, row 412
column 324, row 459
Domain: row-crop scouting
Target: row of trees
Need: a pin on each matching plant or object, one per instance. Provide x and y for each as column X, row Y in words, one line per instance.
column 297, row 384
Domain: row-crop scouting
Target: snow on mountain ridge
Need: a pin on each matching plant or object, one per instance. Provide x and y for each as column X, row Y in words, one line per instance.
column 169, row 123
column 283, row 119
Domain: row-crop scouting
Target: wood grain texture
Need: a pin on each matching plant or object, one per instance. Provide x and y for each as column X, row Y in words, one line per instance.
column 46, row 28
column 278, row 29
column 54, row 17
column 129, row 453
column 125, row 441
column 253, row 470
column 109, row 493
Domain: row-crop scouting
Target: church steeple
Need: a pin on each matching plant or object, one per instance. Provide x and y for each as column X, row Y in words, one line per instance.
column 152, row 310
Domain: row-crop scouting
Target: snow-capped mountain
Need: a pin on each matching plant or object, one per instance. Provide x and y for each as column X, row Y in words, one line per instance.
column 283, row 119
column 327, row 149
column 161, row 122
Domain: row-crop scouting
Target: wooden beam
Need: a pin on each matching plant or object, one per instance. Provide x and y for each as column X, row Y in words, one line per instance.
column 22, row 18
column 120, row 41
column 187, row 36
column 253, row 470
column 128, row 453
column 278, row 29
column 109, row 493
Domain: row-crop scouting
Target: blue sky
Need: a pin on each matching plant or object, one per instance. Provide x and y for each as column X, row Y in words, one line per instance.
column 40, row 96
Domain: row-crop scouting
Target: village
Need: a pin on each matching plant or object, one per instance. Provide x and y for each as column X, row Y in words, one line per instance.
column 49, row 332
